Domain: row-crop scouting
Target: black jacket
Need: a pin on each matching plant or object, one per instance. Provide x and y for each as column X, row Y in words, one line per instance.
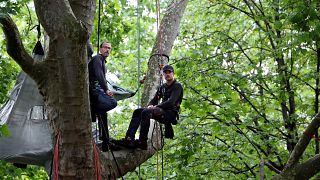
column 171, row 96
column 97, row 72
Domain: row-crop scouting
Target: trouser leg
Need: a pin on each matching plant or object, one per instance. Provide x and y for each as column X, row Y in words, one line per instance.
column 103, row 121
column 146, row 115
column 134, row 123
column 105, row 103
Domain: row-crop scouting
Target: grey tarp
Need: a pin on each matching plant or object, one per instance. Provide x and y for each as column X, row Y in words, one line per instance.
column 30, row 137
column 29, row 141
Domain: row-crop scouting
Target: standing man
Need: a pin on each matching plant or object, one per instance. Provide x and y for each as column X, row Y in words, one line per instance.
column 101, row 99
column 171, row 93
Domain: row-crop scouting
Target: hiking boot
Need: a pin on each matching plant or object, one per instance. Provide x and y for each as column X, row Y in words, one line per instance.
column 126, row 142
column 113, row 147
column 104, row 147
column 142, row 145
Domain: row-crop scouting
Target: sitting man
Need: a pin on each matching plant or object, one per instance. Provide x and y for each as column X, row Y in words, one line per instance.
column 171, row 93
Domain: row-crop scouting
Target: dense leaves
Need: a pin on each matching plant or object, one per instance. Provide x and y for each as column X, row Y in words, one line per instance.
column 249, row 71
column 8, row 171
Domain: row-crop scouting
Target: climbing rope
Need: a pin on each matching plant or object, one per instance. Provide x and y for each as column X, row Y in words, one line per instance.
column 56, row 158
column 139, row 67
column 160, row 65
column 99, row 27
column 96, row 161
column 106, row 131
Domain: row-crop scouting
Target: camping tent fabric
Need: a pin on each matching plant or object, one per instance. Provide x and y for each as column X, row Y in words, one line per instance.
column 30, row 139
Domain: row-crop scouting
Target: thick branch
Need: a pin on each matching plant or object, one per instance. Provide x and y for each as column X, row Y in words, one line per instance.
column 58, row 19
column 309, row 168
column 84, row 11
column 166, row 36
column 15, row 47
column 303, row 142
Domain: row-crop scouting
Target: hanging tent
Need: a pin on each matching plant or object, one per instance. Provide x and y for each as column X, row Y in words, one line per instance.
column 30, row 139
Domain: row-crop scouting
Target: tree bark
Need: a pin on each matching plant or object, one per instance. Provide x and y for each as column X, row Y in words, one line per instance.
column 308, row 168
column 62, row 79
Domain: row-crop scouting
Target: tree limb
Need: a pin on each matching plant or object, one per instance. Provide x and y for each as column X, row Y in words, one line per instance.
column 309, row 168
column 58, row 19
column 15, row 46
column 303, row 142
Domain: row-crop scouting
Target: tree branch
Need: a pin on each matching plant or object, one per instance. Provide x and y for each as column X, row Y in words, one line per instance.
column 309, row 168
column 58, row 19
column 15, row 46
column 303, row 142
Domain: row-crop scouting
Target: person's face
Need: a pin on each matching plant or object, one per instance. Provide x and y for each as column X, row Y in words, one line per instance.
column 168, row 75
column 105, row 49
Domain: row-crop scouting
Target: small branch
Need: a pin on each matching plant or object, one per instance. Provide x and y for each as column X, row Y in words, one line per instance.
column 234, row 151
column 271, row 167
column 15, row 47
column 262, row 173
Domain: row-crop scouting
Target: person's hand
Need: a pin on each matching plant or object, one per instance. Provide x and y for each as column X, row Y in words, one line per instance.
column 151, row 107
column 109, row 93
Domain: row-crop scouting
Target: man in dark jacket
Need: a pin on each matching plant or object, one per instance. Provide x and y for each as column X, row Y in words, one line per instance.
column 171, row 93
column 100, row 96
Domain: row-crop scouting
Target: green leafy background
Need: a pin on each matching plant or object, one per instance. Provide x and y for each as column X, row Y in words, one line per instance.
column 226, row 56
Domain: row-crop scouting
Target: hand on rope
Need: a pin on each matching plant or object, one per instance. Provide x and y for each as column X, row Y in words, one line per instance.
column 143, row 79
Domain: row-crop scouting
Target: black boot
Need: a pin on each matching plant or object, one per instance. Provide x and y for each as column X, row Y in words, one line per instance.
column 126, row 142
column 142, row 144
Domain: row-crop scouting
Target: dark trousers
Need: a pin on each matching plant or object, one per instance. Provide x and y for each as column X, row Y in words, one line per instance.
column 100, row 104
column 141, row 117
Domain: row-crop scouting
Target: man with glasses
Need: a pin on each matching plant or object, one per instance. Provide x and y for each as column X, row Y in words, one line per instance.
column 101, row 98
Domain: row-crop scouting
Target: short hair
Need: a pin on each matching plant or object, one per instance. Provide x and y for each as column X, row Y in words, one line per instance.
column 103, row 42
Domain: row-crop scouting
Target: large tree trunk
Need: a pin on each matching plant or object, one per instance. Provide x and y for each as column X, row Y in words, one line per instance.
column 65, row 84
column 62, row 79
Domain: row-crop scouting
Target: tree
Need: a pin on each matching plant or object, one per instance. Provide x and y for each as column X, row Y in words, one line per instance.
column 62, row 79
column 251, row 87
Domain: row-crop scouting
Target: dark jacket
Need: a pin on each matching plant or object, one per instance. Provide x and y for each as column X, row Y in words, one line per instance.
column 97, row 72
column 171, row 96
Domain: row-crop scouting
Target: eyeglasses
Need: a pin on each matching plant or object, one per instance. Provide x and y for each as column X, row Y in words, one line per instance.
column 106, row 47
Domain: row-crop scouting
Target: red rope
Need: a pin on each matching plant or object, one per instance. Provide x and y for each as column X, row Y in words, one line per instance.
column 56, row 158
column 312, row 136
column 96, row 161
